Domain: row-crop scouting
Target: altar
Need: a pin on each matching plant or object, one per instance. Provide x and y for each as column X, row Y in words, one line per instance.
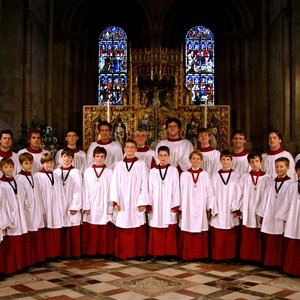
column 155, row 91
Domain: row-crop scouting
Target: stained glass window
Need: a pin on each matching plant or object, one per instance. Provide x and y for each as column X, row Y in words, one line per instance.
column 112, row 65
column 199, row 64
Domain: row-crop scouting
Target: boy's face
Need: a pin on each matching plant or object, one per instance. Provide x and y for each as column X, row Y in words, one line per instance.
column 67, row 159
column 255, row 163
column 163, row 157
column 71, row 138
column 104, row 132
column 99, row 159
column 274, row 141
column 27, row 165
column 6, row 141
column 226, row 162
column 298, row 173
column 8, row 170
column 35, row 141
column 140, row 138
column 196, row 161
column 281, row 168
column 238, row 141
column 130, row 149
column 48, row 165
column 203, row 138
column 173, row 130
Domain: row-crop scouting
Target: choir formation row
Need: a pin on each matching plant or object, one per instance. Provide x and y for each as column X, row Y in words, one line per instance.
column 173, row 202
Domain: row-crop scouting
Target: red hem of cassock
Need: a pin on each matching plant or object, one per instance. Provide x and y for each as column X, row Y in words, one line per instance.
column 71, row 241
column 130, row 242
column 193, row 245
column 291, row 265
column 223, row 243
column 272, row 249
column 97, row 239
column 163, row 241
column 53, row 242
column 1, row 258
column 13, row 253
column 250, row 244
column 38, row 251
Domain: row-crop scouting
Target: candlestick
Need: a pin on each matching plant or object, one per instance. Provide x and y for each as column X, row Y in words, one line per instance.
column 205, row 114
column 108, row 112
column 191, row 93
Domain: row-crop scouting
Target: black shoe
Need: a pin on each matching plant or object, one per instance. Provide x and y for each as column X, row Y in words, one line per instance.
column 141, row 258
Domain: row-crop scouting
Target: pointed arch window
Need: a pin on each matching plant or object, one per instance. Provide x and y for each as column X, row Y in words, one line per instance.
column 112, row 65
column 199, row 64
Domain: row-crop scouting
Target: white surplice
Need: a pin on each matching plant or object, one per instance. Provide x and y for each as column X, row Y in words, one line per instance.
column 96, row 196
column 129, row 189
column 196, row 199
column 72, row 184
column 163, row 196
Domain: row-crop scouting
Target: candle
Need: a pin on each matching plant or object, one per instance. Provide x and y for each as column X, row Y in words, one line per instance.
column 108, row 112
column 205, row 114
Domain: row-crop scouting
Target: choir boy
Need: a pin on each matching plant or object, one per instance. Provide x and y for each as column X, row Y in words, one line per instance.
column 4, row 222
column 72, row 182
column 143, row 151
column 54, row 205
column 98, row 229
column 211, row 156
column 251, row 188
column 180, row 148
column 14, row 251
column 6, row 141
column 129, row 194
column 273, row 227
column 114, row 149
column 275, row 151
column 164, row 201
column 197, row 202
column 79, row 161
column 223, row 230
column 240, row 162
column 289, row 212
column 33, row 210
column 35, row 148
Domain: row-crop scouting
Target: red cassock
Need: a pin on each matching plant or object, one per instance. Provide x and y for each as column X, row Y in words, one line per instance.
column 97, row 239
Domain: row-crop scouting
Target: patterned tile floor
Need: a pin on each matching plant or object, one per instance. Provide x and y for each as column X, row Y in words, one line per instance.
column 133, row 280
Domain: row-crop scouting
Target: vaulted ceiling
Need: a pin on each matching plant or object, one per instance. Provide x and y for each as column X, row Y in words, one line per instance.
column 154, row 22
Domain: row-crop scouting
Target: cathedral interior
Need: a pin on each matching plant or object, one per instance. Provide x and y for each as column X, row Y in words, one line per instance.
column 49, row 58
column 49, row 70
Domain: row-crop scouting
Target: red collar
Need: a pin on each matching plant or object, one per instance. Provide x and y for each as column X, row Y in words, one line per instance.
column 174, row 140
column 75, row 150
column 6, row 153
column 29, row 149
column 44, row 171
column 162, row 167
column 130, row 160
column 281, row 179
column 225, row 171
column 22, row 172
column 143, row 149
column 206, row 149
column 95, row 166
column 257, row 173
column 243, row 153
column 104, row 143
column 10, row 179
column 67, row 169
column 270, row 152
column 195, row 171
